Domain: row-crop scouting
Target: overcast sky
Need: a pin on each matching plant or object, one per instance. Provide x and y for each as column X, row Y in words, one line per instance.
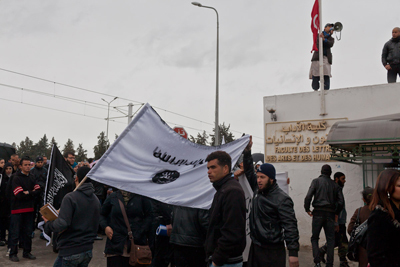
column 163, row 52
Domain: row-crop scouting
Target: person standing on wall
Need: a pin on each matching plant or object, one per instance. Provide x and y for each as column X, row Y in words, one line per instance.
column 391, row 56
column 328, row 42
column 328, row 203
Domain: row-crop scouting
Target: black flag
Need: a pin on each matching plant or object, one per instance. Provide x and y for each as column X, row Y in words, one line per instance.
column 60, row 179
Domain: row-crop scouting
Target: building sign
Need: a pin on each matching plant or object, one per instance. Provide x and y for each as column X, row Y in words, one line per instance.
column 298, row 141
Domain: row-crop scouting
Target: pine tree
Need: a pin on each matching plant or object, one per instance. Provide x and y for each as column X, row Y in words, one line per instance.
column 102, row 146
column 225, row 132
column 25, row 148
column 69, row 146
column 81, row 154
column 52, row 142
column 201, row 139
column 41, row 147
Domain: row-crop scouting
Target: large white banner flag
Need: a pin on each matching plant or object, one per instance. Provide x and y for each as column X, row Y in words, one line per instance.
column 152, row 160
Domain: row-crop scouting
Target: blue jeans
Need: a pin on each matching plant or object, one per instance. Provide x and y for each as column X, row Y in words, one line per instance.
column 229, row 265
column 326, row 221
column 77, row 260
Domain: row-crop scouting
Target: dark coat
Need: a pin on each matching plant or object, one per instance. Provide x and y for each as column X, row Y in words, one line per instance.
column 139, row 213
column 4, row 202
column 391, row 52
column 327, row 49
column 272, row 217
column 383, row 238
column 226, row 235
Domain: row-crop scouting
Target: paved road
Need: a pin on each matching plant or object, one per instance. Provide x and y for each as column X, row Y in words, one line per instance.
column 45, row 255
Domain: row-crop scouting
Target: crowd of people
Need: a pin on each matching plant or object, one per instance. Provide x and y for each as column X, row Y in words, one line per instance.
column 181, row 236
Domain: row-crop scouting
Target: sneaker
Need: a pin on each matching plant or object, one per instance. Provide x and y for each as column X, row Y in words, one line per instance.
column 317, row 265
column 14, row 258
column 98, row 238
column 8, row 252
column 29, row 256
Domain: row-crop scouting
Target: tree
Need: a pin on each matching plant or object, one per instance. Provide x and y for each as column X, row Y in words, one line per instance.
column 223, row 132
column 102, row 146
column 25, row 148
column 69, row 146
column 201, row 139
column 52, row 142
column 81, row 154
column 41, row 147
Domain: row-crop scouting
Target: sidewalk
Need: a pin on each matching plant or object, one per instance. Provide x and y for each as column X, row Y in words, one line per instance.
column 46, row 257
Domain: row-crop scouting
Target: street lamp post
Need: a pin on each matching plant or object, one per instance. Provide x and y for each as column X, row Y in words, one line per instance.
column 108, row 112
column 216, row 143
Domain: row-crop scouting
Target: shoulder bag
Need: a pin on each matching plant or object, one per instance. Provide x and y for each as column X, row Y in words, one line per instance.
column 358, row 238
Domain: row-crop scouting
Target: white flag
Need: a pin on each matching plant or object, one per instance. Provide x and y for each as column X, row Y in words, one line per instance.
column 152, row 160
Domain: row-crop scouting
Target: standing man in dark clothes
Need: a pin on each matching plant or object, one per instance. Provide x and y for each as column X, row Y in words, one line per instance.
column 15, row 162
column 40, row 174
column 24, row 190
column 4, row 202
column 341, row 240
column 226, row 234
column 77, row 224
column 272, row 219
column 69, row 157
column 189, row 229
column 328, row 203
column 391, row 56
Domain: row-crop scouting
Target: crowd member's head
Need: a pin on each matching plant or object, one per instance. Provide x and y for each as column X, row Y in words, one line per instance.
column 387, row 189
column 90, row 160
column 69, row 156
column 2, row 162
column 396, row 32
column 219, row 164
column 340, row 178
column 44, row 160
column 266, row 176
column 15, row 160
column 8, row 168
column 39, row 162
column 326, row 170
column 258, row 164
column 367, row 195
column 25, row 165
column 81, row 173
column 329, row 28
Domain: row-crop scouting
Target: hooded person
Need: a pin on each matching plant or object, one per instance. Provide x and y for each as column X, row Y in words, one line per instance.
column 272, row 218
column 4, row 202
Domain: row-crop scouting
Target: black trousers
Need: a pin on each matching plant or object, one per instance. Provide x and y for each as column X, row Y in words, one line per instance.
column 264, row 257
column 4, row 225
column 189, row 256
column 341, row 241
column 163, row 252
column 392, row 73
column 315, row 82
column 118, row 261
column 326, row 221
column 21, row 227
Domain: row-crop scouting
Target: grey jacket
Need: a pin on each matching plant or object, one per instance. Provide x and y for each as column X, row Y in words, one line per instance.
column 391, row 52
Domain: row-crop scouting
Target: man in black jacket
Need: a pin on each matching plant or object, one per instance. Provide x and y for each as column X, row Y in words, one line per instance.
column 76, row 224
column 23, row 191
column 328, row 203
column 226, row 234
column 391, row 56
column 272, row 218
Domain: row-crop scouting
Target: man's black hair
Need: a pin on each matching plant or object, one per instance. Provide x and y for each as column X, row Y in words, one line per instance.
column 222, row 157
column 326, row 169
column 66, row 153
column 24, row 158
column 337, row 175
column 81, row 173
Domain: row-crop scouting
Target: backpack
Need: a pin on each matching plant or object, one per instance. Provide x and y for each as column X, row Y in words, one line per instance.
column 358, row 237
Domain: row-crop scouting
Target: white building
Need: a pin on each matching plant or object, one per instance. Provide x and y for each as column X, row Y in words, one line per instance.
column 296, row 141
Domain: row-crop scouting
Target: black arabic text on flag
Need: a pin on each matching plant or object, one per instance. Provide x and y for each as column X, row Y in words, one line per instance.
column 60, row 179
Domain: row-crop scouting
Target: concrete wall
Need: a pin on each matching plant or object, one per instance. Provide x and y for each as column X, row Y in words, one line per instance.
column 352, row 103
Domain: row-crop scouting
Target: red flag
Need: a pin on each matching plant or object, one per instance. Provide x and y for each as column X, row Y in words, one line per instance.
column 315, row 24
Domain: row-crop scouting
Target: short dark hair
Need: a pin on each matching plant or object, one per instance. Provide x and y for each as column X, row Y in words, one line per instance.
column 25, row 158
column 66, row 153
column 326, row 169
column 222, row 157
column 81, row 173
column 338, row 175
column 367, row 194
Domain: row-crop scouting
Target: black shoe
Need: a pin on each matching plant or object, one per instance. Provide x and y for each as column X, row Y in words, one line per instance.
column 317, row 265
column 14, row 258
column 98, row 238
column 29, row 256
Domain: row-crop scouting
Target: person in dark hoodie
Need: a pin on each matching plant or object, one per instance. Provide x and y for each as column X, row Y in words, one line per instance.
column 24, row 189
column 4, row 202
column 40, row 174
column 226, row 233
column 272, row 218
column 391, row 56
column 76, row 224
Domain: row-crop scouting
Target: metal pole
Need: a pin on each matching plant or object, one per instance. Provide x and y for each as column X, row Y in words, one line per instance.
column 130, row 107
column 108, row 111
column 321, row 61
column 216, row 140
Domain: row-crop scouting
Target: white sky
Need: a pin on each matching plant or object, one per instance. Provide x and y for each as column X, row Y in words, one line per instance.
column 163, row 52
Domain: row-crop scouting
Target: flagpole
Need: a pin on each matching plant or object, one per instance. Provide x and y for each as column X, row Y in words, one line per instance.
column 321, row 61
column 83, row 180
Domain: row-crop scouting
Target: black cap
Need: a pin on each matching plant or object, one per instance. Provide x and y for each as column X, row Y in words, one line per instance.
column 39, row 159
column 82, row 171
